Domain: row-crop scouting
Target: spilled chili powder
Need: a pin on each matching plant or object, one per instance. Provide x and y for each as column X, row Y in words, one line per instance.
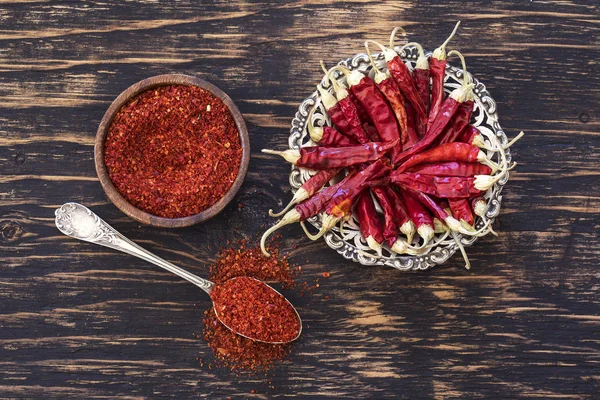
column 234, row 351
column 173, row 151
column 253, row 309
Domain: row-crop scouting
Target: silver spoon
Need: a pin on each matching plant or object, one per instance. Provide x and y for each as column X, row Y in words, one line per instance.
column 81, row 223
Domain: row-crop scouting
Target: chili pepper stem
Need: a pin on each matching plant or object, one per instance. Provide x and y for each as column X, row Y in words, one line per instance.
column 328, row 222
column 306, row 232
column 484, row 182
column 292, row 156
column 393, row 35
column 408, row 229
column 299, row 196
column 401, row 246
column 466, row 225
column 462, row 250
column 480, row 208
column 289, row 218
column 481, row 232
column 482, row 158
column 519, row 136
column 354, row 78
column 315, row 133
column 422, row 62
column 373, row 245
column 465, row 92
column 342, row 222
column 379, row 76
column 453, row 224
column 389, row 54
column 328, row 100
column 426, row 232
column 438, row 226
column 479, row 141
column 440, row 52
column 340, row 91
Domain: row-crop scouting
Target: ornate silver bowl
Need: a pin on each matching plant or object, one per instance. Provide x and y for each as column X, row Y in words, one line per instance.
column 351, row 244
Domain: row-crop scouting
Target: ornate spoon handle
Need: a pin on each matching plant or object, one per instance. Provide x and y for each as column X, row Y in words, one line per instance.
column 79, row 222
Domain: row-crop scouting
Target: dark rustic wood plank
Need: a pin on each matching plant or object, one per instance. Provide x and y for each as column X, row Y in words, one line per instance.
column 83, row 322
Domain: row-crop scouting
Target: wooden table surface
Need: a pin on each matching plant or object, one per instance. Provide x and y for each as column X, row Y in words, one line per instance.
column 81, row 321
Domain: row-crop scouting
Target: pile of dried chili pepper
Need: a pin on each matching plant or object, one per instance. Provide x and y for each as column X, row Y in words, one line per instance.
column 231, row 350
column 398, row 142
column 173, row 151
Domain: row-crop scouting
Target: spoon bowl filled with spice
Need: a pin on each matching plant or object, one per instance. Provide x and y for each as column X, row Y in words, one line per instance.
column 245, row 305
column 172, row 151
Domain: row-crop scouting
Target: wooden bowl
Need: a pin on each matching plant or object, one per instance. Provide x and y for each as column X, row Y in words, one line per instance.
column 120, row 201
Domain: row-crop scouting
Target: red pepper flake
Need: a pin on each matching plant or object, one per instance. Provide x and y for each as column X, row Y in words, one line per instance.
column 253, row 309
column 231, row 350
column 237, row 352
column 326, row 274
column 162, row 148
column 243, row 261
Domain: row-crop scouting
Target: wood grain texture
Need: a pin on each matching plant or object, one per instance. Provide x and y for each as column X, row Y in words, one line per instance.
column 79, row 321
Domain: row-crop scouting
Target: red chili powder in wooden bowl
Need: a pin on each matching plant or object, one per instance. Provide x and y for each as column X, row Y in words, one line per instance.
column 173, row 151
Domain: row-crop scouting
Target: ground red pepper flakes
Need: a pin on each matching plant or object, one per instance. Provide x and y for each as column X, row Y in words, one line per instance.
column 253, row 309
column 238, row 353
column 244, row 261
column 173, row 151
column 234, row 351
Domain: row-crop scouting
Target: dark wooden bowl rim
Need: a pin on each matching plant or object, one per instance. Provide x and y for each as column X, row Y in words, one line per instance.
column 119, row 201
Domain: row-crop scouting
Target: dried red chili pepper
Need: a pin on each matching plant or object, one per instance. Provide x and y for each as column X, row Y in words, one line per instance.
column 349, row 110
column 318, row 157
column 412, row 122
column 458, row 124
column 400, row 73
column 459, row 152
column 374, row 102
column 421, row 78
column 440, row 186
column 326, row 135
column 335, row 111
column 407, row 227
column 369, row 221
column 308, row 188
column 461, row 210
column 390, row 228
column 255, row 310
column 439, row 211
column 437, row 68
column 340, row 204
column 168, row 155
column 392, row 93
column 364, row 116
column 472, row 135
column 451, row 168
column 308, row 208
column 443, row 118
column 419, row 216
column 334, row 199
